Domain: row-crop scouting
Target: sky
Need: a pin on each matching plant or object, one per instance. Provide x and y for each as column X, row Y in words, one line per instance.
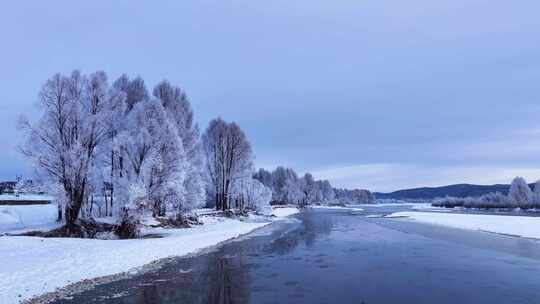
column 373, row 94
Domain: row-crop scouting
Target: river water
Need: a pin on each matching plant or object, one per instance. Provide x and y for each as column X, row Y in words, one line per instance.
column 342, row 256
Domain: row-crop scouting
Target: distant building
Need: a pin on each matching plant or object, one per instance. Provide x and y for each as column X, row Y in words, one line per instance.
column 10, row 194
column 24, row 199
column 7, row 187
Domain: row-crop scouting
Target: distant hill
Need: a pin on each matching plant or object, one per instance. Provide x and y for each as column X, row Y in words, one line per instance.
column 459, row 190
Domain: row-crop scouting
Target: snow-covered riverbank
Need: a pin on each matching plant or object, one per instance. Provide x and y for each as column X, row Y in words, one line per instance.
column 33, row 266
column 17, row 219
column 524, row 226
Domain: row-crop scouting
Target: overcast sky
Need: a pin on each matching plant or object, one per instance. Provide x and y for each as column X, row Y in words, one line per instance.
column 373, row 94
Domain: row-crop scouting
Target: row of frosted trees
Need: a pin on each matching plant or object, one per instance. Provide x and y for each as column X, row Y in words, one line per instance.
column 520, row 195
column 117, row 150
column 288, row 188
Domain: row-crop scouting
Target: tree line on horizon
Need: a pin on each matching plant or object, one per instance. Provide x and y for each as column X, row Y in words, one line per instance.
column 118, row 150
column 520, row 195
column 288, row 187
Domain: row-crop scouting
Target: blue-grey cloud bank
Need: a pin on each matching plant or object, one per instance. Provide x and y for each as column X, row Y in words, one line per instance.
column 374, row 94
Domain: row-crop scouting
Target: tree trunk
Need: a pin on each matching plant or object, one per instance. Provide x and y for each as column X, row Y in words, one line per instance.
column 106, row 207
column 91, row 205
column 72, row 213
column 225, row 202
column 59, row 218
column 112, row 177
column 112, row 195
column 74, row 207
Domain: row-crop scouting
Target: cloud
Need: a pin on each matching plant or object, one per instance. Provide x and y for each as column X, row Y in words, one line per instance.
column 374, row 94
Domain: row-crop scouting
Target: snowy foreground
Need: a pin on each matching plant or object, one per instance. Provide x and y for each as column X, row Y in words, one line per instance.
column 32, row 266
column 524, row 226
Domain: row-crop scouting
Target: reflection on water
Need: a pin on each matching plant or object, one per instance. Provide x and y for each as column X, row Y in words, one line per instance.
column 228, row 281
column 307, row 232
column 216, row 278
column 222, row 276
column 339, row 257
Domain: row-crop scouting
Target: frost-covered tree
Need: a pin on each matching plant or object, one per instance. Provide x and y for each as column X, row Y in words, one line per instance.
column 228, row 158
column 178, row 107
column 520, row 193
column 354, row 196
column 259, row 197
column 265, row 177
column 286, row 186
column 250, row 194
column 131, row 92
column 323, row 191
column 328, row 193
column 308, row 188
column 490, row 200
column 293, row 192
column 153, row 164
column 119, row 148
column 64, row 143
column 134, row 89
column 536, row 194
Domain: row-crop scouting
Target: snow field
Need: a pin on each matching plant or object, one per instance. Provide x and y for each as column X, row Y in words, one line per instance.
column 523, row 226
column 26, row 216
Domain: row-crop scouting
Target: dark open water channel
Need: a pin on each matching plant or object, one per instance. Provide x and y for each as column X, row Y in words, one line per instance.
column 340, row 256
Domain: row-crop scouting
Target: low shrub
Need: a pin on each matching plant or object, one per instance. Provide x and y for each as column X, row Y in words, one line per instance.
column 495, row 200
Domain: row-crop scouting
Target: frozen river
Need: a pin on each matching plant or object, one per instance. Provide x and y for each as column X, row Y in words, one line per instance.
column 342, row 256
